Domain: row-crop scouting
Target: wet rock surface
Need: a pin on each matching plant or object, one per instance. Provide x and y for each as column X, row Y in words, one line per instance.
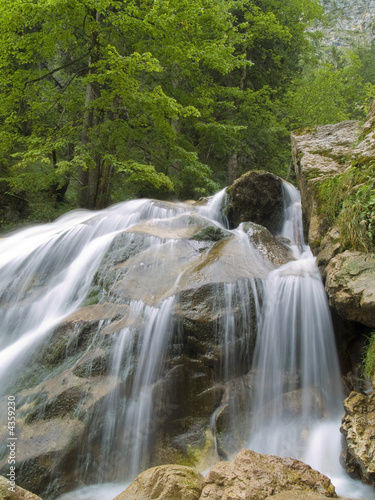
column 358, row 428
column 69, row 382
column 320, row 153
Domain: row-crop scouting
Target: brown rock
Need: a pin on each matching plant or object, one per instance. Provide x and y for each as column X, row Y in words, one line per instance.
column 16, row 494
column 253, row 476
column 358, row 428
column 166, row 482
column 256, row 197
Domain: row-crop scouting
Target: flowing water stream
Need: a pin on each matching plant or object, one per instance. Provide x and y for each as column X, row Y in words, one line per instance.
column 298, row 402
column 47, row 271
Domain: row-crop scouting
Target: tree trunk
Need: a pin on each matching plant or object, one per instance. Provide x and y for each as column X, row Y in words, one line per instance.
column 58, row 191
column 232, row 168
column 89, row 177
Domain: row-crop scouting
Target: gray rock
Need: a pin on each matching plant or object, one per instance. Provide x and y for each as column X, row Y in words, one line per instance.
column 358, row 428
column 319, row 153
column 350, row 284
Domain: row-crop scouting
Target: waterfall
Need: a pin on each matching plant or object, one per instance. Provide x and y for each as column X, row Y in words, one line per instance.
column 297, row 407
column 141, row 259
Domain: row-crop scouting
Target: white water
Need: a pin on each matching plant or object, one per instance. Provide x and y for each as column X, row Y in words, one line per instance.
column 46, row 272
column 297, row 407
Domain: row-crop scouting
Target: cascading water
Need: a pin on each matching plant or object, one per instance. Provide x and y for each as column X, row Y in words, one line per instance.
column 297, row 407
column 141, row 259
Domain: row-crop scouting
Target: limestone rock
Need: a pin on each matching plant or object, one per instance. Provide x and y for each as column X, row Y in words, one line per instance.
column 267, row 245
column 350, row 285
column 358, row 428
column 18, row 494
column 256, row 197
column 350, row 22
column 166, row 482
column 317, row 153
column 253, row 476
column 330, row 246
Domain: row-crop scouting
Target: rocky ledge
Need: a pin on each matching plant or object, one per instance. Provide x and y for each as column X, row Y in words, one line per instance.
column 320, row 153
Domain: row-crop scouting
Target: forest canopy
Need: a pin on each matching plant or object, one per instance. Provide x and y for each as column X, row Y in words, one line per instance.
column 106, row 100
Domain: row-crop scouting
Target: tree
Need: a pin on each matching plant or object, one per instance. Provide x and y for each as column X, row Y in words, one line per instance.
column 92, row 89
column 145, row 98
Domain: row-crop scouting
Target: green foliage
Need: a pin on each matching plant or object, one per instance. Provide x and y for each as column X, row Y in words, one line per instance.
column 369, row 356
column 336, row 85
column 348, row 200
column 124, row 99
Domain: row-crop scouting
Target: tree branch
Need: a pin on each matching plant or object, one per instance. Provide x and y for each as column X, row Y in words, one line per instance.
column 73, row 179
column 50, row 73
column 15, row 196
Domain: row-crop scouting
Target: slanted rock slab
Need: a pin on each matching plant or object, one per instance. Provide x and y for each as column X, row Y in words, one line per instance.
column 166, row 482
column 17, row 494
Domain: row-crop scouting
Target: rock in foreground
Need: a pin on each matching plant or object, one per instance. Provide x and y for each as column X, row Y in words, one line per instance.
column 167, row 482
column 17, row 494
column 251, row 476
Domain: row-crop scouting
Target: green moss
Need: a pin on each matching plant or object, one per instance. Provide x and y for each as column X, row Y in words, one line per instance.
column 209, row 233
column 93, row 296
column 196, row 455
column 304, row 131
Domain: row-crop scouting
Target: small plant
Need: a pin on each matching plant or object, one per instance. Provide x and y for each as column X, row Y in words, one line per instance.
column 348, row 200
column 369, row 356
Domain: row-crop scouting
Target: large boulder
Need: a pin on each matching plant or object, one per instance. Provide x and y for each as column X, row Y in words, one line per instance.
column 358, row 428
column 256, row 197
column 166, row 482
column 253, row 476
column 350, row 284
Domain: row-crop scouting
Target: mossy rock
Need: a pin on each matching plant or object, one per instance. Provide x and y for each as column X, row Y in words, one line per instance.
column 210, row 233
